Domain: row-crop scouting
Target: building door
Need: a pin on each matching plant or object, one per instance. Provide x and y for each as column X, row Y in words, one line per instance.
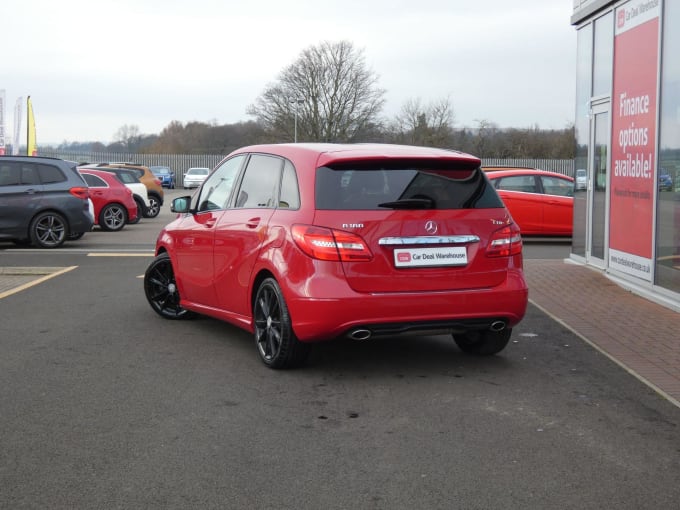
column 598, row 182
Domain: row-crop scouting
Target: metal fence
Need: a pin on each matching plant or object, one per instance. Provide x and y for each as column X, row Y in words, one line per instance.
column 560, row 166
column 179, row 163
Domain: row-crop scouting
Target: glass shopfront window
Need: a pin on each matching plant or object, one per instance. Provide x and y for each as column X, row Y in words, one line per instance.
column 604, row 55
column 584, row 79
column 668, row 172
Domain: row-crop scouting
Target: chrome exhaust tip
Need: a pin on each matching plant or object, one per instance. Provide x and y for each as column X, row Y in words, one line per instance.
column 497, row 326
column 360, row 334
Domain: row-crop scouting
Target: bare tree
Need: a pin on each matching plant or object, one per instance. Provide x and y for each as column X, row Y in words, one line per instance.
column 419, row 124
column 128, row 136
column 327, row 94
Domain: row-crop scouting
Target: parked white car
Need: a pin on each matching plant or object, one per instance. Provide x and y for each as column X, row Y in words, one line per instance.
column 195, row 176
column 581, row 179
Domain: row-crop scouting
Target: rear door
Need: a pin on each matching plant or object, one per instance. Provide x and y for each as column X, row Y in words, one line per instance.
column 427, row 229
column 558, row 206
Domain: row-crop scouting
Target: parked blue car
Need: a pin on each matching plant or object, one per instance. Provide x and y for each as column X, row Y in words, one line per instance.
column 165, row 175
column 665, row 181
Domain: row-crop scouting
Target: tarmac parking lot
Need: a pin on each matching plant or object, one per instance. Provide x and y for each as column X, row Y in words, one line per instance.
column 106, row 405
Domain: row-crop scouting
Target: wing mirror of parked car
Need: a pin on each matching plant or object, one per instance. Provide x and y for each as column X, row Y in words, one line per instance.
column 181, row 205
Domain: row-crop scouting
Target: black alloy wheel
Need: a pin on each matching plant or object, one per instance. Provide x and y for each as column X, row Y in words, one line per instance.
column 48, row 230
column 276, row 342
column 161, row 289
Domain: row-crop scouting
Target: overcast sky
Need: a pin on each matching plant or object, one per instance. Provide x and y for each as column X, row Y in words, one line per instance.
column 91, row 67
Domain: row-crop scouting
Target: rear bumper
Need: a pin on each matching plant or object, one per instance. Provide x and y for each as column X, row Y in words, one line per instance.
column 390, row 314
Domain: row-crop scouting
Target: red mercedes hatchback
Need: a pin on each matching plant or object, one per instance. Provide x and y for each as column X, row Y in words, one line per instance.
column 114, row 205
column 299, row 243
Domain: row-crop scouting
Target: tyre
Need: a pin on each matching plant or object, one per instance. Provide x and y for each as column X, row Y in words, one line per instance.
column 274, row 337
column 141, row 209
column 48, row 230
column 161, row 290
column 154, row 207
column 75, row 236
column 484, row 342
column 112, row 217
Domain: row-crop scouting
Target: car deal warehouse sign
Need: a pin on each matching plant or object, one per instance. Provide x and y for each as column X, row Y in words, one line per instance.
column 634, row 106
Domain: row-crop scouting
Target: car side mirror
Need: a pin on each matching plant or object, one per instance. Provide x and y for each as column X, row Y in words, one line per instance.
column 181, row 205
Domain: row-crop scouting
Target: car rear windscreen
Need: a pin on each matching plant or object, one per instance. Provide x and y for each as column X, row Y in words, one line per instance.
column 373, row 186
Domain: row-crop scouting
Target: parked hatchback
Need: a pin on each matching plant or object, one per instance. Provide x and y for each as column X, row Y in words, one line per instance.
column 114, row 205
column 541, row 202
column 153, row 185
column 194, row 177
column 300, row 243
column 129, row 178
column 43, row 201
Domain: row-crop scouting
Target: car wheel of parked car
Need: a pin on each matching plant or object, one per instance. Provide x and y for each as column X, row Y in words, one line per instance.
column 141, row 209
column 276, row 342
column 75, row 236
column 48, row 230
column 161, row 290
column 154, row 207
column 112, row 217
column 484, row 342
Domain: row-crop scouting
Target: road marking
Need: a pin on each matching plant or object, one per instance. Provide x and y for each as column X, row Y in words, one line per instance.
column 47, row 272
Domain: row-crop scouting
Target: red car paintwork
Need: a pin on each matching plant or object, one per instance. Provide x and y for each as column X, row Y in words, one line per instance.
column 116, row 192
column 537, row 210
column 220, row 256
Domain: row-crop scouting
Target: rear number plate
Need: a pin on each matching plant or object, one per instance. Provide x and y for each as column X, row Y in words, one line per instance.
column 424, row 257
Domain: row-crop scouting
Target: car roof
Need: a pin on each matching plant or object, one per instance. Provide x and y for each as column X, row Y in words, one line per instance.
column 109, row 177
column 326, row 153
column 495, row 174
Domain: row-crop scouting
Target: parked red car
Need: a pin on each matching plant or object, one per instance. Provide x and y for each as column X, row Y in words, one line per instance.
column 540, row 202
column 300, row 243
column 114, row 205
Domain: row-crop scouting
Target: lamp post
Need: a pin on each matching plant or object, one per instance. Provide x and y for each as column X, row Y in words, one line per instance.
column 296, row 102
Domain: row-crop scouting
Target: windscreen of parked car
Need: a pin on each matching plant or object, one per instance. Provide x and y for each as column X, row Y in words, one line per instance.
column 394, row 185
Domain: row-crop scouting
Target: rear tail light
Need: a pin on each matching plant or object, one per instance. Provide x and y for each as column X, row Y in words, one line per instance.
column 330, row 244
column 157, row 181
column 505, row 242
column 80, row 192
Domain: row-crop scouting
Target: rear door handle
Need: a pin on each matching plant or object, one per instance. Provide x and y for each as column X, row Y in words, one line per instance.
column 253, row 222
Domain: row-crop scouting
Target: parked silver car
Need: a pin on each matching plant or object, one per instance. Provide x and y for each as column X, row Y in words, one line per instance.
column 195, row 176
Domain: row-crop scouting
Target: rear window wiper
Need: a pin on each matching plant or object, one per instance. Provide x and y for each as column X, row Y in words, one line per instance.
column 409, row 203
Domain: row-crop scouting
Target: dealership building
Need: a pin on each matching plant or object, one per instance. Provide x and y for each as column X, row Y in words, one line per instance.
column 627, row 219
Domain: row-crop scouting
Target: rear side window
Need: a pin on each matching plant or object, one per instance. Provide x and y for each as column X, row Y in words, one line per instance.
column 384, row 186
column 290, row 194
column 94, row 181
column 50, row 174
column 127, row 178
column 523, row 183
column 556, row 186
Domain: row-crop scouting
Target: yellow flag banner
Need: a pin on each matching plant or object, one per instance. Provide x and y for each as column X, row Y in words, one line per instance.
column 31, row 145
